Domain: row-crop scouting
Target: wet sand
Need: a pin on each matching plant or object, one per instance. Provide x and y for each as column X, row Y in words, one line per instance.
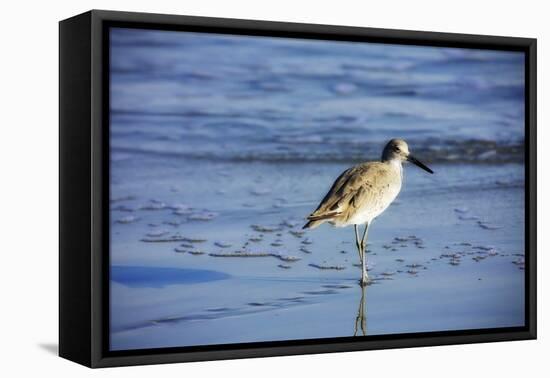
column 447, row 255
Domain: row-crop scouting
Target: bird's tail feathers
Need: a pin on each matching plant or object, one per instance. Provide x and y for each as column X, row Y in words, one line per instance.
column 317, row 220
column 313, row 224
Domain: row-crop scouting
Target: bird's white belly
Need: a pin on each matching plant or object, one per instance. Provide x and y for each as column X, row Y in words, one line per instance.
column 373, row 209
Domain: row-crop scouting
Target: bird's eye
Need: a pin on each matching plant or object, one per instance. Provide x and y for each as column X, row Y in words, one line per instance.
column 396, row 149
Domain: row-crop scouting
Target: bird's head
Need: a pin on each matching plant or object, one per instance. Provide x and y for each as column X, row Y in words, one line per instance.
column 398, row 149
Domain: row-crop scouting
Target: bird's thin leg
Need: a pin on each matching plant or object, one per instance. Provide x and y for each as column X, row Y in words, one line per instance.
column 365, row 276
column 358, row 244
column 364, row 238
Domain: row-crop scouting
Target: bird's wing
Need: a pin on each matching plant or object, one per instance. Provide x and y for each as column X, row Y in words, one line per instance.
column 351, row 189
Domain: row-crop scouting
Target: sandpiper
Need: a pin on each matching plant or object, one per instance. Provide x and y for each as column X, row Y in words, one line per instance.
column 363, row 192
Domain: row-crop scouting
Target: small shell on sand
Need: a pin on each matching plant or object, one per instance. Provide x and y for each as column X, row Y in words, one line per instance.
column 297, row 234
column 307, row 241
column 450, row 255
column 127, row 220
column 277, row 243
column 286, row 257
column 284, row 266
column 196, row 253
column 304, row 250
column 400, row 239
column 327, row 267
column 255, row 239
column 483, row 247
column 194, row 240
column 259, row 228
column 180, row 250
column 223, row 244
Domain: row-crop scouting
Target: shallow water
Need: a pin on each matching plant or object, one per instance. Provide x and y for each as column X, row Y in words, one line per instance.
column 221, row 148
column 416, row 288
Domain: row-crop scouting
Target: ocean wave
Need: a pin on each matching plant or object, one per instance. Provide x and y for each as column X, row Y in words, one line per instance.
column 233, row 98
column 467, row 151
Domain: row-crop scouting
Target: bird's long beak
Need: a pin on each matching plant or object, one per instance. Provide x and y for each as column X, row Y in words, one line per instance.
column 418, row 163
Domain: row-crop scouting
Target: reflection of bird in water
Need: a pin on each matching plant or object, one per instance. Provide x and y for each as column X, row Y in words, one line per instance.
column 361, row 319
column 363, row 192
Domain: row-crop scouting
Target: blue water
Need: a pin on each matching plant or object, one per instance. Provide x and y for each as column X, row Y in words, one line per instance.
column 245, row 98
column 217, row 137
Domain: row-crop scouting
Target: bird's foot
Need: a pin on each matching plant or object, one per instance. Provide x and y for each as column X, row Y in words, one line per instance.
column 365, row 281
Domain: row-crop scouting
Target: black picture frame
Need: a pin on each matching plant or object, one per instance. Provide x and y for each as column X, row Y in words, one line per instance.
column 84, row 188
